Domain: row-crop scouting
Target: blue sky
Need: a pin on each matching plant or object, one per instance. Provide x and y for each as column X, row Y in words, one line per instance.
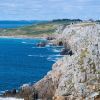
column 49, row 9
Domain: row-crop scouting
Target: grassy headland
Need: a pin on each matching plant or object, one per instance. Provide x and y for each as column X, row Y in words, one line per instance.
column 37, row 30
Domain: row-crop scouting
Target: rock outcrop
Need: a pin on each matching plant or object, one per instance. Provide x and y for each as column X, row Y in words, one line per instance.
column 41, row 44
column 75, row 77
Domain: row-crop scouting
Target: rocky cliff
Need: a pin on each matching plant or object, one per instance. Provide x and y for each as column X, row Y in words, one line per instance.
column 75, row 77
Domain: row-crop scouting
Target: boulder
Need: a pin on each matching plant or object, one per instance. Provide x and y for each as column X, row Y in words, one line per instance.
column 10, row 93
column 50, row 38
column 66, row 52
column 60, row 43
column 41, row 44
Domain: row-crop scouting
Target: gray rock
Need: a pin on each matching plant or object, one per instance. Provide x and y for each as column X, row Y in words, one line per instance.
column 78, row 75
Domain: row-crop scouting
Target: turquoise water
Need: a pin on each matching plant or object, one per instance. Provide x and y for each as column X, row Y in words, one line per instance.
column 22, row 62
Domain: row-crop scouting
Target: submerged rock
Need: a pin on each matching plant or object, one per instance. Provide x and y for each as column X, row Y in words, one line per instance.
column 41, row 44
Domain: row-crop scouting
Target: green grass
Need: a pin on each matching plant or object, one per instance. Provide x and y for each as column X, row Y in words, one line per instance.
column 37, row 29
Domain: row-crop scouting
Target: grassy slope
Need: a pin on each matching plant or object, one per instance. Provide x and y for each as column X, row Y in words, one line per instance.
column 33, row 30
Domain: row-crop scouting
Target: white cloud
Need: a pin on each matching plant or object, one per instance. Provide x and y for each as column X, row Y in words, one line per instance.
column 47, row 9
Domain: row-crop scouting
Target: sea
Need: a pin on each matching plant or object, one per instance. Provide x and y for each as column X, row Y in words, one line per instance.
column 15, row 24
column 22, row 62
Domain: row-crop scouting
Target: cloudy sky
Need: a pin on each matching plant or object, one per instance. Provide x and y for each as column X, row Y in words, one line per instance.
column 49, row 9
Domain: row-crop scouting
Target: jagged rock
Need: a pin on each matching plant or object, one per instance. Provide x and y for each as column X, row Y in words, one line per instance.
column 45, row 89
column 14, row 91
column 10, row 93
column 41, row 44
column 76, row 76
column 66, row 52
column 59, row 98
column 28, row 93
column 60, row 43
column 50, row 38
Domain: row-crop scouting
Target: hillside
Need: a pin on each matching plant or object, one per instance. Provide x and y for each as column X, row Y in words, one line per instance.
column 41, row 29
column 75, row 77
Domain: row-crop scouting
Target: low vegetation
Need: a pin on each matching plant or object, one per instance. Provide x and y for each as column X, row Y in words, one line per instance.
column 37, row 29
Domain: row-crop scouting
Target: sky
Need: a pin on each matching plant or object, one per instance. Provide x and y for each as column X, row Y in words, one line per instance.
column 49, row 9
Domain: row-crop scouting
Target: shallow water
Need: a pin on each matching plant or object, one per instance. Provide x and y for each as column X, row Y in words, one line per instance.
column 22, row 62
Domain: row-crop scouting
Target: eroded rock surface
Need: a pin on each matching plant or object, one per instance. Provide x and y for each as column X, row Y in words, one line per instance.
column 75, row 77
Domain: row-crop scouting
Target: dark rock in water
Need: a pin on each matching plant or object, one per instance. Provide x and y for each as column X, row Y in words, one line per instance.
column 60, row 43
column 14, row 91
column 10, row 93
column 50, row 38
column 7, row 93
column 26, row 92
column 70, row 52
column 66, row 52
column 41, row 44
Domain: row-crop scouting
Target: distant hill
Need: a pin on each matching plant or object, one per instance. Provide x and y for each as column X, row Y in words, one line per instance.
column 31, row 28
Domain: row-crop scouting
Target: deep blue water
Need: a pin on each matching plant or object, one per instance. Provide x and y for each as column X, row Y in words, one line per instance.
column 22, row 62
column 16, row 24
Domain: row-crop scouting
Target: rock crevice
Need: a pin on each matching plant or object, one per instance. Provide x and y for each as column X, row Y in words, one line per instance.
column 75, row 77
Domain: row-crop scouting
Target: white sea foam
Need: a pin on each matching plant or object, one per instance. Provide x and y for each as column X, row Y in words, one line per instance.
column 54, row 57
column 36, row 55
column 47, row 45
column 55, row 50
column 31, row 55
column 24, row 42
column 9, row 98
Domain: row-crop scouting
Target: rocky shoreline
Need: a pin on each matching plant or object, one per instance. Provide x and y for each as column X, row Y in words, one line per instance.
column 76, row 76
column 25, row 36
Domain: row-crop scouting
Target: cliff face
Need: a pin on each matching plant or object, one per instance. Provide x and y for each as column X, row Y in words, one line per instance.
column 75, row 77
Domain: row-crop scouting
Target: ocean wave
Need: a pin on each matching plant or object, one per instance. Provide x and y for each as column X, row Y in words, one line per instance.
column 38, row 47
column 2, row 92
column 24, row 42
column 9, row 98
column 37, row 55
column 48, row 45
column 55, row 50
column 56, row 55
column 53, row 57
column 31, row 55
column 25, row 85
